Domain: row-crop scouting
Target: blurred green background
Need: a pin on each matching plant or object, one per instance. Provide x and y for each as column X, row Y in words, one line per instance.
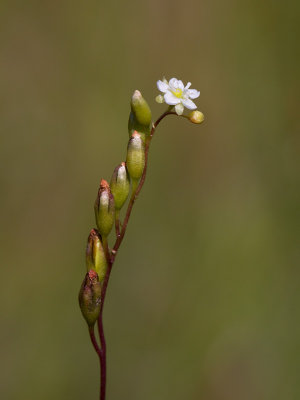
column 204, row 297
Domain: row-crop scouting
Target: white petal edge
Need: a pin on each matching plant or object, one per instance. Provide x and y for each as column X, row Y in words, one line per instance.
column 171, row 99
column 193, row 93
column 162, row 86
column 173, row 83
column 189, row 104
column 179, row 109
column 181, row 85
column 187, row 86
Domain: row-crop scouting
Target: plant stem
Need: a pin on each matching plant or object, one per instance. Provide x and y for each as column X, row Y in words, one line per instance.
column 99, row 352
column 94, row 341
column 102, row 359
column 117, row 223
column 101, row 329
column 110, row 257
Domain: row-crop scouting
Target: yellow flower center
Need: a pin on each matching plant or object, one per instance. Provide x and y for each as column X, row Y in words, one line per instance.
column 177, row 93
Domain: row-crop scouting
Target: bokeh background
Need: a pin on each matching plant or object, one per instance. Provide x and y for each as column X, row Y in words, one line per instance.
column 204, row 297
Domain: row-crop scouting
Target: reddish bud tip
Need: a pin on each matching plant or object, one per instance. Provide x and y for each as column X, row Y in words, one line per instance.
column 135, row 134
column 93, row 275
column 104, row 185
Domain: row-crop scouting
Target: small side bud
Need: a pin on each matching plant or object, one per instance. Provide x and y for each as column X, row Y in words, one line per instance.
column 141, row 110
column 90, row 297
column 104, row 209
column 159, row 99
column 196, row 117
column 135, row 160
column 119, row 185
column 95, row 255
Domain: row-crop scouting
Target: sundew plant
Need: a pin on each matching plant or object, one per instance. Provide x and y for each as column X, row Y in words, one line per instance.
column 126, row 182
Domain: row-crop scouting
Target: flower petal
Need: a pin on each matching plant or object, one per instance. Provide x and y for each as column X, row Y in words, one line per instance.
column 193, row 93
column 179, row 109
column 180, row 85
column 171, row 99
column 173, row 83
column 187, row 86
column 189, row 104
column 162, row 86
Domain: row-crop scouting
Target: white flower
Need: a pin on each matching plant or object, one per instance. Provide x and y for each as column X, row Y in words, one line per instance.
column 175, row 94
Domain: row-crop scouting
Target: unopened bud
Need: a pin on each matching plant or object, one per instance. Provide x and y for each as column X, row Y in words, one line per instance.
column 141, row 109
column 159, row 99
column 104, row 209
column 196, row 117
column 119, row 185
column 133, row 126
column 90, row 297
column 95, row 255
column 135, row 160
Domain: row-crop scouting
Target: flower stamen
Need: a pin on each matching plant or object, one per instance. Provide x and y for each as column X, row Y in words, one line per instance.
column 177, row 93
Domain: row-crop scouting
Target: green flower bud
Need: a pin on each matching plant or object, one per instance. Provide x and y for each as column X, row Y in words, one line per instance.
column 196, row 117
column 104, row 209
column 95, row 255
column 133, row 126
column 90, row 297
column 120, row 185
column 141, row 110
column 135, row 160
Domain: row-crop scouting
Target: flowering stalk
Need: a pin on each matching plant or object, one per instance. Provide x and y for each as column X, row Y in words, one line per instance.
column 111, row 198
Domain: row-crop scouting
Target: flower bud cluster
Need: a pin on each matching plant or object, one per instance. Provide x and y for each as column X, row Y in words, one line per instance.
column 109, row 201
column 127, row 176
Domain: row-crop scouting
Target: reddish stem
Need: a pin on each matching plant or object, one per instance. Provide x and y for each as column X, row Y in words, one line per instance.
column 94, row 341
column 101, row 332
column 110, row 257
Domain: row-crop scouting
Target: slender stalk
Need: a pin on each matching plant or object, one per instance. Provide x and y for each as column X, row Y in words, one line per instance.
column 168, row 112
column 100, row 324
column 99, row 353
column 102, row 336
column 94, row 341
column 102, row 359
column 117, row 223
column 110, row 257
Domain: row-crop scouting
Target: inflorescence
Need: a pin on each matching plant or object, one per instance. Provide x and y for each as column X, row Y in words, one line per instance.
column 127, row 180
